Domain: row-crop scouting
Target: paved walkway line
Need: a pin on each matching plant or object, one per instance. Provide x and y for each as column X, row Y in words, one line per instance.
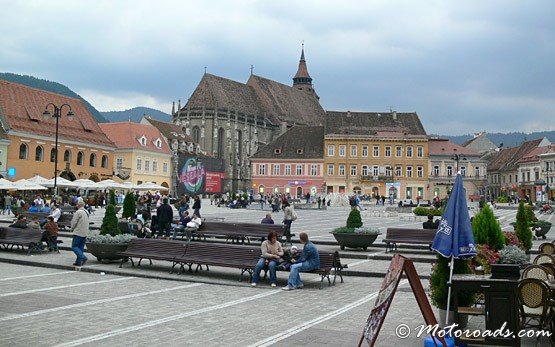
column 164, row 320
column 95, row 302
column 303, row 326
column 39, row 275
column 358, row 262
column 63, row 287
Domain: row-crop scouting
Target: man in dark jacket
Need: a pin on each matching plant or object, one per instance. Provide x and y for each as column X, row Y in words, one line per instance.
column 165, row 218
column 196, row 206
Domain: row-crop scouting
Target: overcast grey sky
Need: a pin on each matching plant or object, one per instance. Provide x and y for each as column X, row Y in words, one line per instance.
column 463, row 66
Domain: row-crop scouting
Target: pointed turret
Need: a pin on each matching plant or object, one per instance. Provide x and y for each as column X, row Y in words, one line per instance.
column 173, row 108
column 302, row 79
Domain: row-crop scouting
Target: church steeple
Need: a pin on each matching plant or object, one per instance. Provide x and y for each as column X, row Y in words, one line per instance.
column 302, row 79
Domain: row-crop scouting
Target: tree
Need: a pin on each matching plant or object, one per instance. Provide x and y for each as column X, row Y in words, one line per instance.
column 354, row 220
column 110, row 222
column 129, row 206
column 486, row 229
column 439, row 279
column 112, row 198
column 522, row 227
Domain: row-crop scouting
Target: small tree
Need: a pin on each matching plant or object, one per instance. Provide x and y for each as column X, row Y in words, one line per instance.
column 110, row 222
column 129, row 206
column 522, row 228
column 486, row 229
column 530, row 215
column 439, row 279
column 112, row 198
column 354, row 220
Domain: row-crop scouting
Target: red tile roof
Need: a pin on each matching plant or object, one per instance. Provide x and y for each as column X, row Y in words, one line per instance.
column 507, row 159
column 127, row 135
column 21, row 108
column 446, row 147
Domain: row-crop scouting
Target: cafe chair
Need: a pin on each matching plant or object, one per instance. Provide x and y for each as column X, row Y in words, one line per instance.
column 535, row 271
column 534, row 301
column 547, row 248
column 544, row 258
column 550, row 268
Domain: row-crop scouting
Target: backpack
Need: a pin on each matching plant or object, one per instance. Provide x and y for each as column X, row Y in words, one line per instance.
column 293, row 214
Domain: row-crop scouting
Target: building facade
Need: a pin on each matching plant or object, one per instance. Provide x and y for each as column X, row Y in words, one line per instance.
column 141, row 155
column 547, row 165
column 446, row 159
column 84, row 150
column 376, row 154
column 232, row 120
column 292, row 164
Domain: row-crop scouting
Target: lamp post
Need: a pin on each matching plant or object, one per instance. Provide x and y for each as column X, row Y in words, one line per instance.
column 457, row 158
column 547, row 188
column 197, row 164
column 57, row 115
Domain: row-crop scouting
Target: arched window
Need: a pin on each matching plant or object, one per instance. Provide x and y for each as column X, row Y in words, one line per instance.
column 299, row 192
column 80, row 158
column 67, row 155
column 221, row 139
column 92, row 160
column 23, row 151
column 196, row 134
column 39, row 153
column 104, row 162
column 53, row 155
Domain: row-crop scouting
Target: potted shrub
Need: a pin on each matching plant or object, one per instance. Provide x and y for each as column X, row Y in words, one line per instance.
column 544, row 227
column 129, row 206
column 522, row 228
column 353, row 235
column 110, row 242
column 512, row 254
column 439, row 279
column 486, row 229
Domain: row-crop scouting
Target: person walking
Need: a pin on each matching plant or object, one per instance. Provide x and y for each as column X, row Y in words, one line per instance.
column 289, row 215
column 309, row 260
column 165, row 218
column 196, row 206
column 8, row 200
column 80, row 229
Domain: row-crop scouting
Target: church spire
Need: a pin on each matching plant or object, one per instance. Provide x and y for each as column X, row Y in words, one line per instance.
column 302, row 78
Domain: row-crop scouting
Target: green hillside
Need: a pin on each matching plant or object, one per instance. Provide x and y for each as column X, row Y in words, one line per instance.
column 53, row 87
column 135, row 114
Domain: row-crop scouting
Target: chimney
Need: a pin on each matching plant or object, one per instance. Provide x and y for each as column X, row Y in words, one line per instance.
column 394, row 114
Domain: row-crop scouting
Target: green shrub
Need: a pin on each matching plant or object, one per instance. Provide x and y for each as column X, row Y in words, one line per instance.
column 502, row 199
column 425, row 211
column 542, row 223
column 112, row 198
column 530, row 215
column 129, row 206
column 110, row 222
column 512, row 255
column 522, row 228
column 486, row 229
column 363, row 230
column 354, row 220
column 440, row 277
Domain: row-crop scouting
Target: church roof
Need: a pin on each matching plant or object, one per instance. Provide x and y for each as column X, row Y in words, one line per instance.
column 302, row 71
column 169, row 130
column 299, row 142
column 21, row 109
column 374, row 124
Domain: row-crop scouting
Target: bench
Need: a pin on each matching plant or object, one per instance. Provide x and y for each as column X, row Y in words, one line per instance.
column 157, row 249
column 64, row 222
column 411, row 236
column 30, row 238
column 236, row 232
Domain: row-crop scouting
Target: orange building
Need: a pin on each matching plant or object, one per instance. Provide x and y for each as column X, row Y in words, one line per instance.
column 84, row 150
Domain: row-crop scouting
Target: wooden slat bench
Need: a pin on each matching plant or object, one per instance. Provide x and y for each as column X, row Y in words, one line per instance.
column 224, row 255
column 411, row 236
column 234, row 232
column 30, row 238
column 166, row 250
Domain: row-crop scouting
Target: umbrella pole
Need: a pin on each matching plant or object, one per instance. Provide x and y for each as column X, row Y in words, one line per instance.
column 451, row 266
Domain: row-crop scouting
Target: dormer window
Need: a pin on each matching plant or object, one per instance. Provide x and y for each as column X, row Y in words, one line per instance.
column 277, row 151
column 300, row 151
column 158, row 143
column 142, row 140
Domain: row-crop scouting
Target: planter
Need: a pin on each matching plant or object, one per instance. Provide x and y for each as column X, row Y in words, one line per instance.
column 106, row 251
column 463, row 319
column 543, row 231
column 355, row 240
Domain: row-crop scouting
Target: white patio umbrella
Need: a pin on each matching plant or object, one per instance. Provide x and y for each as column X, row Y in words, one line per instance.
column 85, row 184
column 38, row 180
column 5, row 184
column 24, row 184
column 60, row 182
column 150, row 186
column 109, row 184
column 129, row 185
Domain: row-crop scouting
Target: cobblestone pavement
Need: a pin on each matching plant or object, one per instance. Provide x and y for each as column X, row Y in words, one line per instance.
column 63, row 307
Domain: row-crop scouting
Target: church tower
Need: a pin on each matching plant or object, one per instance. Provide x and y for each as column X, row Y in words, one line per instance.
column 302, row 79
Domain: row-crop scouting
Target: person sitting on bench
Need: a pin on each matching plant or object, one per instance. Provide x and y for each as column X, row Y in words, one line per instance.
column 180, row 226
column 430, row 224
column 21, row 222
column 309, row 260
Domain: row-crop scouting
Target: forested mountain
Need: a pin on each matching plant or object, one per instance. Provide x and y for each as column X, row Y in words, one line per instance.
column 53, row 87
column 135, row 114
column 509, row 139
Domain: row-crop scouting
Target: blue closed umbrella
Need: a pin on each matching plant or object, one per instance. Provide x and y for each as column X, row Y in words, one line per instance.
column 454, row 238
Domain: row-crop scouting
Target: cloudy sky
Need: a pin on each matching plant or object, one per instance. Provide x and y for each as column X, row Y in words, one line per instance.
column 463, row 66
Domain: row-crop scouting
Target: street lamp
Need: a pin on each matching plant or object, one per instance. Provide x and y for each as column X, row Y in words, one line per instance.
column 547, row 188
column 57, row 115
column 457, row 158
column 197, row 164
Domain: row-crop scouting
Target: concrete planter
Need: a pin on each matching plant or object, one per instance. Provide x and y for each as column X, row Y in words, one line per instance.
column 106, row 251
column 355, row 240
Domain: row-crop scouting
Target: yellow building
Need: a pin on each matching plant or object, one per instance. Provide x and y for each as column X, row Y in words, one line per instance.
column 376, row 154
column 141, row 155
column 84, row 150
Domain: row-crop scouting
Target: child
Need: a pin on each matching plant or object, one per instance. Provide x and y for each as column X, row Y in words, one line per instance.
column 288, row 256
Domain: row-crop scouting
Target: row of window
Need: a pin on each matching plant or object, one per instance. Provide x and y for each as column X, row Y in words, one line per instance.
column 146, row 168
column 376, row 151
column 526, row 177
column 276, row 170
column 366, row 170
column 39, row 156
column 450, row 170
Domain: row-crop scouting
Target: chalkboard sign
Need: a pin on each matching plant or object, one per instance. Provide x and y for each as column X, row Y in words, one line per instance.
column 399, row 264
